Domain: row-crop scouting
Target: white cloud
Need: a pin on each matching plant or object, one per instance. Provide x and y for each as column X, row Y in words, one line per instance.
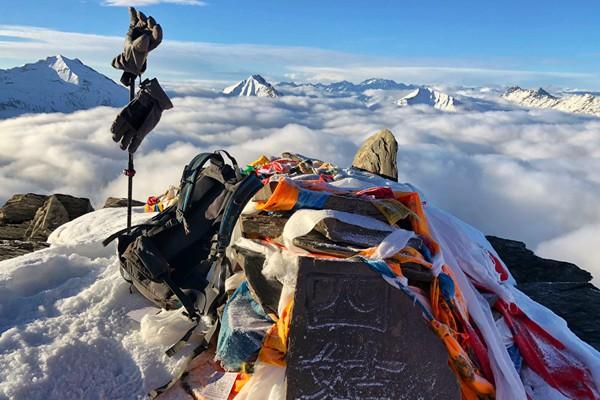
column 578, row 246
column 140, row 3
column 527, row 175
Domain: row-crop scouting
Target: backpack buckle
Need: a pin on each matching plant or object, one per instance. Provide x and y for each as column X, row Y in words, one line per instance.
column 214, row 249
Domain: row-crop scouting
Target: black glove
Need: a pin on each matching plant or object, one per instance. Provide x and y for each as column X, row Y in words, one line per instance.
column 141, row 115
column 143, row 36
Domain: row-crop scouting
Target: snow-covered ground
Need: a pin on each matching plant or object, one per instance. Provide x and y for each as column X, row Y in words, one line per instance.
column 65, row 331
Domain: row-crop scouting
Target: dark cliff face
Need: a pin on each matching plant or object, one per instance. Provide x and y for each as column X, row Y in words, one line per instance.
column 561, row 286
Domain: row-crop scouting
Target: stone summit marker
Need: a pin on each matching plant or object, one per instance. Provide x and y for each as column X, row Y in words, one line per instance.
column 353, row 336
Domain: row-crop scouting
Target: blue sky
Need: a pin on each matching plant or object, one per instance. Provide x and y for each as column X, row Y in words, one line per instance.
column 457, row 42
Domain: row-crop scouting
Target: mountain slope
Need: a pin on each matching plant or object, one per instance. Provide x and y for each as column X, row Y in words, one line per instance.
column 576, row 103
column 255, row 85
column 429, row 97
column 56, row 84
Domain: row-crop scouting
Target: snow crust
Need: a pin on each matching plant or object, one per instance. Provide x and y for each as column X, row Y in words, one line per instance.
column 56, row 84
column 64, row 325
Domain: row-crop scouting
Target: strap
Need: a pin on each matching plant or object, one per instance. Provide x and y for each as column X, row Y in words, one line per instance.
column 236, row 203
column 123, row 272
column 188, row 182
column 234, row 163
column 118, row 233
column 146, row 224
column 181, row 342
column 202, row 347
column 182, row 297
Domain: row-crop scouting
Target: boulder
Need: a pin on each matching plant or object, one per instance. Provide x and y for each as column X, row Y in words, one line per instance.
column 114, row 202
column 75, row 206
column 560, row 286
column 378, row 155
column 56, row 211
column 21, row 208
column 13, row 231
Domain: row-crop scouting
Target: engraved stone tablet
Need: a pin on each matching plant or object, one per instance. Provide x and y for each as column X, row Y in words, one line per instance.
column 353, row 336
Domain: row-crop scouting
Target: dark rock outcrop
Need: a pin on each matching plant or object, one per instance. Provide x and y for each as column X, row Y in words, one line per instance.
column 56, row 211
column 13, row 231
column 21, row 208
column 562, row 287
column 526, row 267
column 114, row 202
column 15, row 248
column 26, row 220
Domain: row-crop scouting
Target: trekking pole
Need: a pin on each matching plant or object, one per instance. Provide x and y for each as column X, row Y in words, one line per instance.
column 130, row 172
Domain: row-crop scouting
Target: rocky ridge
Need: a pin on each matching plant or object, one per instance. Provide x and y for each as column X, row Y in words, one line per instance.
column 26, row 220
column 582, row 103
column 561, row 286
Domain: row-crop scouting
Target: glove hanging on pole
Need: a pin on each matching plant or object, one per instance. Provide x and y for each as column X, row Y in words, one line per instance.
column 140, row 116
column 143, row 36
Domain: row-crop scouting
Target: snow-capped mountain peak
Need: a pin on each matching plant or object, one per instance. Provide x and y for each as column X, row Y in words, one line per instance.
column 532, row 98
column 56, row 84
column 382, row 84
column 577, row 103
column 254, row 85
column 542, row 92
column 429, row 97
column 63, row 69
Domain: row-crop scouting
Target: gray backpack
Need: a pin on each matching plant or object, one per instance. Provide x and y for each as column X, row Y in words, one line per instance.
column 177, row 258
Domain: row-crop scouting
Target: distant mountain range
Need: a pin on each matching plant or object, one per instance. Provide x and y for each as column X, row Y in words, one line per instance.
column 61, row 84
column 343, row 88
column 56, row 84
column 585, row 103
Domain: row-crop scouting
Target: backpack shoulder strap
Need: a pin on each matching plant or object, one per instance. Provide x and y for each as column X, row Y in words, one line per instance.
column 220, row 270
column 234, row 207
column 188, row 182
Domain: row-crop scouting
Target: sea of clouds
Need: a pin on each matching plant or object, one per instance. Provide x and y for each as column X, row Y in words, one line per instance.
column 529, row 175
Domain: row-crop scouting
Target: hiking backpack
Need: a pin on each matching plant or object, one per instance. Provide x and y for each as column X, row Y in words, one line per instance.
column 177, row 258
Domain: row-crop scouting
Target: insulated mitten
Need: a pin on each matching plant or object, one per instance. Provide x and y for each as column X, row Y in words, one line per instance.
column 143, row 36
column 141, row 115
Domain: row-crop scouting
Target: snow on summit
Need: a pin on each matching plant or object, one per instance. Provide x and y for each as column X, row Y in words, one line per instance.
column 255, row 85
column 56, row 84
column 585, row 103
column 429, row 97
